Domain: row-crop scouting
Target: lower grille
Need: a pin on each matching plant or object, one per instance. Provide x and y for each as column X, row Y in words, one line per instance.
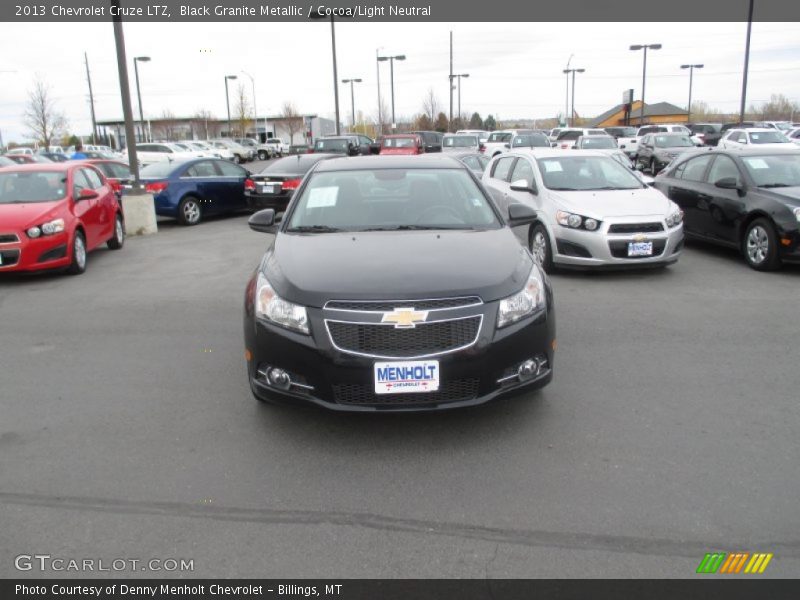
column 385, row 340
column 57, row 252
column 388, row 305
column 620, row 249
column 9, row 258
column 364, row 395
column 635, row 227
column 8, row 238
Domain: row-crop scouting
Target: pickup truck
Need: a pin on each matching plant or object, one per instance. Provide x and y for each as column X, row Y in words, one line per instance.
column 278, row 146
column 630, row 145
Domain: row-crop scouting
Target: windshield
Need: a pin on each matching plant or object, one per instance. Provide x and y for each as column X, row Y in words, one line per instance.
column 500, row 137
column 292, row 165
column 673, row 141
column 783, row 126
column 391, row 199
column 32, row 186
column 768, row 137
column 530, row 141
column 777, row 170
column 603, row 142
column 574, row 173
column 339, row 145
column 460, row 141
column 407, row 142
column 158, row 170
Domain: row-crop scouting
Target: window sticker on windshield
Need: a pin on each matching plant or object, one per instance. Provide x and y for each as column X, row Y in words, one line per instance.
column 552, row 166
column 322, row 197
column 757, row 163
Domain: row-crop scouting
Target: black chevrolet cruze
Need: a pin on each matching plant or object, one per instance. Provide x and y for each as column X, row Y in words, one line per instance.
column 394, row 283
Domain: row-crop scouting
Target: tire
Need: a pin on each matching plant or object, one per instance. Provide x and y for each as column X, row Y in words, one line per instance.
column 539, row 244
column 237, row 159
column 760, row 246
column 118, row 238
column 262, row 155
column 78, row 265
column 189, row 211
column 653, row 167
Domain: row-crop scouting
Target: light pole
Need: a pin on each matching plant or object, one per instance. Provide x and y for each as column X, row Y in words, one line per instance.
column 691, row 75
column 572, row 112
column 352, row 99
column 228, row 101
column 636, row 47
column 746, row 62
column 566, row 96
column 459, row 76
column 136, row 61
column 255, row 108
column 391, row 60
column 380, row 108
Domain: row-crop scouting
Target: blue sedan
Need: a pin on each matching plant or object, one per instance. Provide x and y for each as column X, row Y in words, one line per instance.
column 194, row 189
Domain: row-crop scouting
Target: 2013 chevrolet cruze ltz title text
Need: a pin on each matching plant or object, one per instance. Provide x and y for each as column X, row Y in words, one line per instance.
column 394, row 283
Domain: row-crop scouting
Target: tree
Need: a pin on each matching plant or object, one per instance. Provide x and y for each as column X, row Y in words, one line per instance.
column 701, row 111
column 441, row 123
column 242, row 111
column 489, row 123
column 166, row 127
column 292, row 120
column 430, row 105
column 41, row 116
column 205, row 123
column 423, row 123
column 475, row 121
column 779, row 108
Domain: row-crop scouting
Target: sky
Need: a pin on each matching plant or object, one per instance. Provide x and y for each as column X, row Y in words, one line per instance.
column 515, row 69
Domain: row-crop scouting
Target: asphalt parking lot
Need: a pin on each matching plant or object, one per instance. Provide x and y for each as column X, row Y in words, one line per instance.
column 128, row 431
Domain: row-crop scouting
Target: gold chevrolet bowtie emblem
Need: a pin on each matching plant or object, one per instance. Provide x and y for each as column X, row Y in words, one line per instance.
column 404, row 318
column 640, row 237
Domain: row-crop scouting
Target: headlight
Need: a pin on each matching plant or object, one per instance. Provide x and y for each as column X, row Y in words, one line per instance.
column 52, row 227
column 675, row 219
column 34, row 232
column 797, row 213
column 525, row 302
column 574, row 221
column 273, row 308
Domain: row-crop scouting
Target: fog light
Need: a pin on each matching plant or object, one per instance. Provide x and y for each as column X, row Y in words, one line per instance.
column 528, row 369
column 279, row 378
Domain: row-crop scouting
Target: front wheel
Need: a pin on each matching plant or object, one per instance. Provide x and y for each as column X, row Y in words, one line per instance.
column 116, row 241
column 760, row 246
column 653, row 166
column 189, row 211
column 262, row 155
column 539, row 243
column 78, row 264
column 237, row 159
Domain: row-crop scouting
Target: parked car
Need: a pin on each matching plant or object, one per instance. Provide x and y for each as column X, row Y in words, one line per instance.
column 566, row 139
column 530, row 140
column 595, row 142
column 712, row 138
column 701, row 130
column 766, row 138
column 222, row 150
column 554, row 133
column 117, row 173
column 482, row 134
column 432, row 140
column 395, row 284
column 794, row 135
column 52, row 215
column 20, row 150
column 278, row 145
column 192, row 190
column 747, row 199
column 300, row 149
column 475, row 161
column 657, row 150
column 240, row 153
column 363, row 142
column 402, row 144
column 341, row 144
column 274, row 186
column 55, row 156
column 632, row 145
column 150, row 153
column 27, row 159
column 592, row 211
column 185, row 146
column 459, row 143
column 621, row 132
column 498, row 140
column 205, row 148
column 6, row 162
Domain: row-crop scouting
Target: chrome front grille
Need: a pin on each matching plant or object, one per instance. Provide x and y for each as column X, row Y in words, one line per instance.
column 388, row 305
column 8, row 238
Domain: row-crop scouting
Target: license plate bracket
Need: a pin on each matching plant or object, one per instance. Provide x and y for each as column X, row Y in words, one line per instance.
column 640, row 249
column 406, row 376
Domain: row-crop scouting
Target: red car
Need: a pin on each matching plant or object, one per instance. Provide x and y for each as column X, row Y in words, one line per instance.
column 402, row 143
column 52, row 215
column 117, row 172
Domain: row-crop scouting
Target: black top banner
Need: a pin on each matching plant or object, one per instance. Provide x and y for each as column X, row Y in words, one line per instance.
column 399, row 10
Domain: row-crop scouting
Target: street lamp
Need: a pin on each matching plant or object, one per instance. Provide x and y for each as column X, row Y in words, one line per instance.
column 228, row 101
column 391, row 60
column 691, row 74
column 566, row 97
column 380, row 108
column 644, row 47
column 255, row 107
column 319, row 15
column 459, row 76
column 136, row 61
column 352, row 98
column 572, row 112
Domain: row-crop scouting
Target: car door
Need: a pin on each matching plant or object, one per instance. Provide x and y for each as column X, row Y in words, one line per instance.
column 522, row 172
column 726, row 207
column 645, row 150
column 204, row 180
column 106, row 203
column 88, row 209
column 685, row 186
column 496, row 179
column 233, row 178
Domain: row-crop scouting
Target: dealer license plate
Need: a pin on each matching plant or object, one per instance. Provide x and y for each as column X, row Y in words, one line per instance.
column 270, row 188
column 640, row 249
column 404, row 377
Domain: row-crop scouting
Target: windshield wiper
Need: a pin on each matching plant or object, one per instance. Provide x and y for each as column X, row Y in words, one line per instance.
column 415, row 227
column 774, row 185
column 566, row 189
column 610, row 187
column 313, row 229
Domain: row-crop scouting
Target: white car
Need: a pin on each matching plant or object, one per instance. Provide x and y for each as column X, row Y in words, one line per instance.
column 222, row 150
column 794, row 135
column 21, row 151
column 593, row 211
column 279, row 146
column 499, row 142
column 147, row 154
column 240, row 153
column 567, row 136
column 482, row 134
column 761, row 138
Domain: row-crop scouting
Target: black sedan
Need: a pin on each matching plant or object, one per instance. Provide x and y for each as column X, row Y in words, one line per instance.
column 744, row 199
column 274, row 186
column 657, row 150
column 395, row 283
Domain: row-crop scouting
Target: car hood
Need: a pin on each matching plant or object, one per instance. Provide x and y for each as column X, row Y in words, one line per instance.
column 789, row 195
column 602, row 204
column 311, row 269
column 398, row 151
column 22, row 216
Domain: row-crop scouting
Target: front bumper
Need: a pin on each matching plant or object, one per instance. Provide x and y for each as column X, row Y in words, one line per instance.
column 338, row 380
column 26, row 254
column 575, row 248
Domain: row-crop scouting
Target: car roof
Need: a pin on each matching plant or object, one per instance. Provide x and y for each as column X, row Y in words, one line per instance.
column 423, row 161
column 753, row 129
column 544, row 152
column 55, row 166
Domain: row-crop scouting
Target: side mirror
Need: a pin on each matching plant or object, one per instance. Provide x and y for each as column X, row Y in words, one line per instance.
column 507, row 145
column 263, row 221
column 87, row 194
column 521, row 185
column 521, row 214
